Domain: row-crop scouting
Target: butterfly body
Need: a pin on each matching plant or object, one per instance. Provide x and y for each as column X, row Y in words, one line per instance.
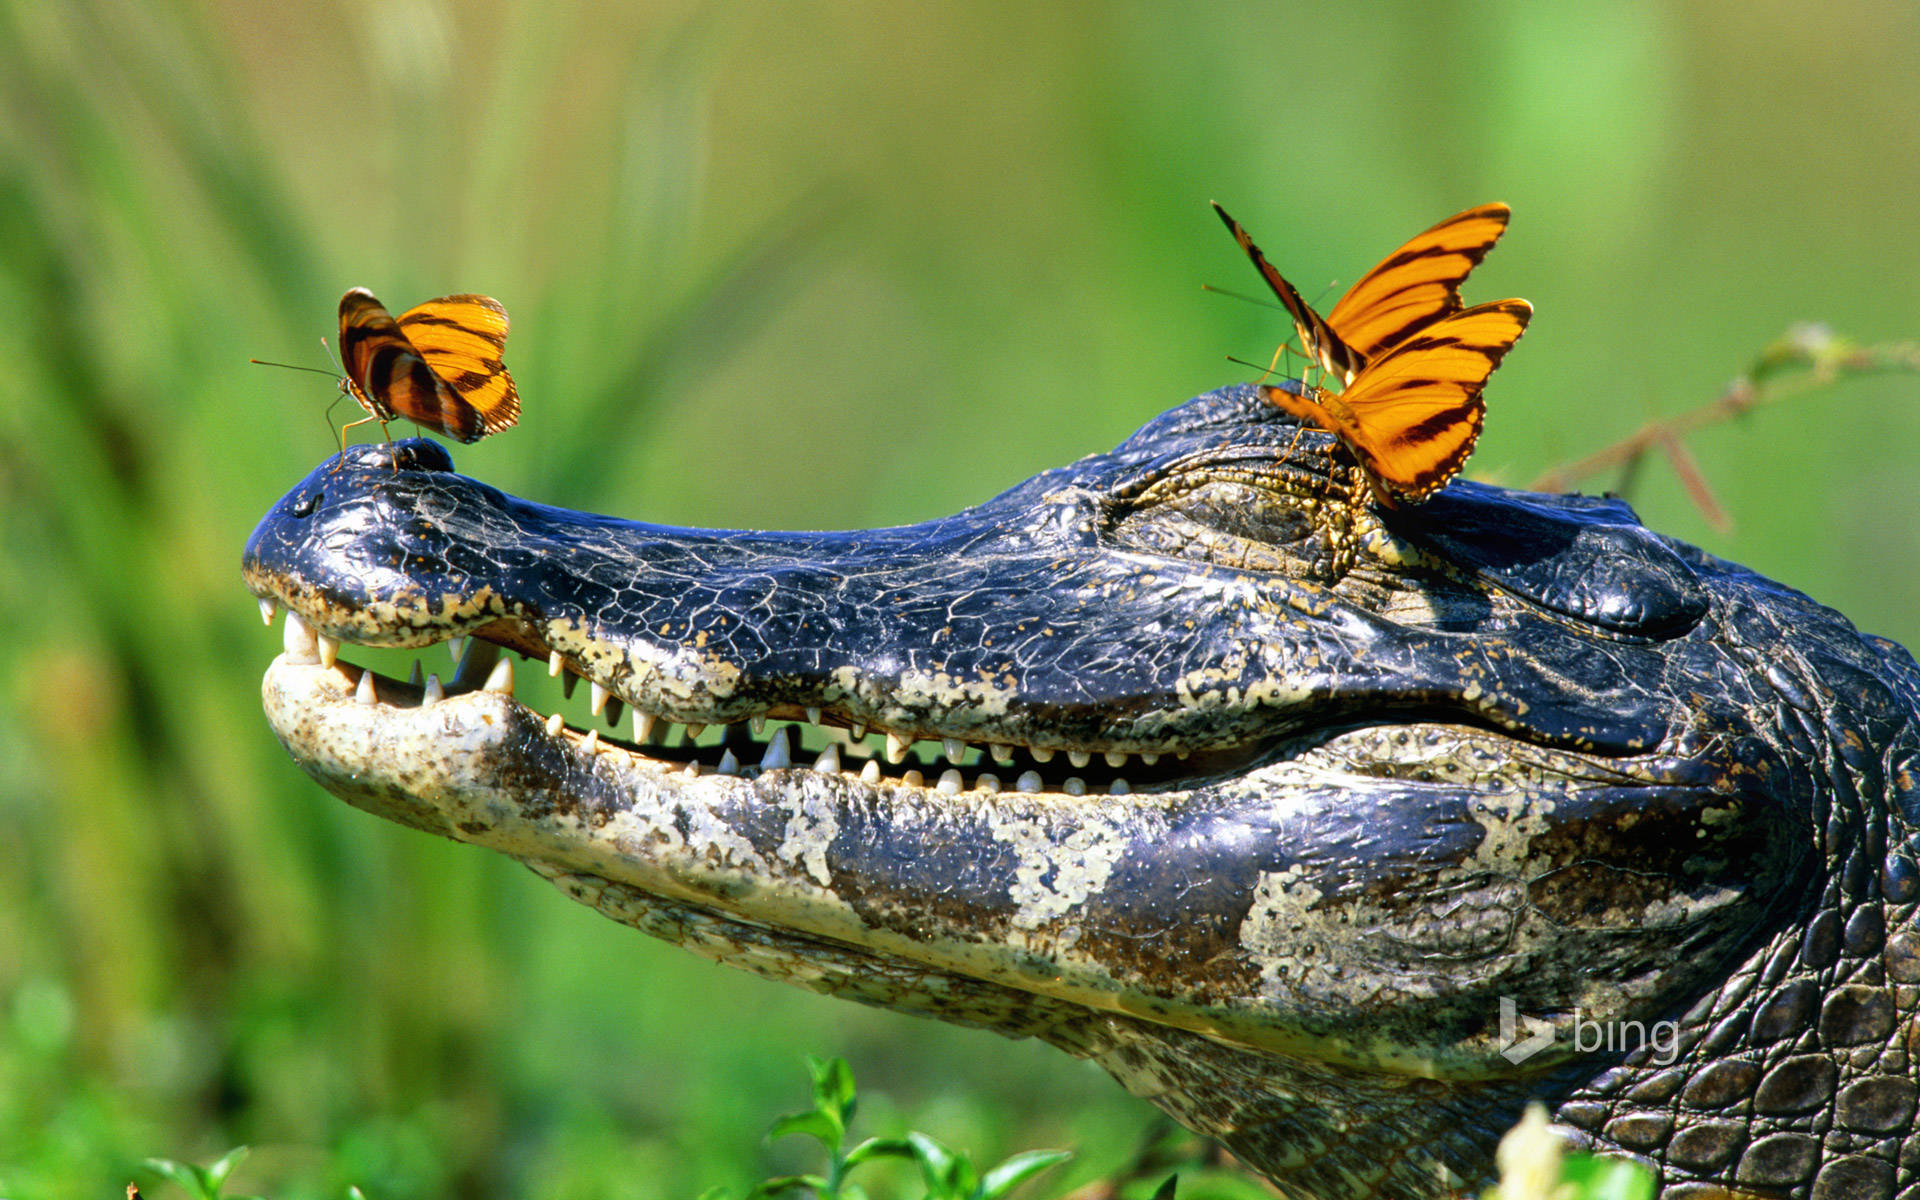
column 438, row 364
column 1412, row 361
column 1411, row 416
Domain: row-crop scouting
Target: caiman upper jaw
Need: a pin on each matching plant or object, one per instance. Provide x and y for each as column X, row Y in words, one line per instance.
column 804, row 737
column 954, row 630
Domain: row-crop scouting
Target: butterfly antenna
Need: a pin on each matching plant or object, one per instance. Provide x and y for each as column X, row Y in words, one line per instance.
column 332, row 357
column 1240, row 296
column 289, row 366
column 1264, row 371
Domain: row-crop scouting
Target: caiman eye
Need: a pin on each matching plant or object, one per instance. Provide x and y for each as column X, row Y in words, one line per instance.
column 304, row 506
column 1232, row 523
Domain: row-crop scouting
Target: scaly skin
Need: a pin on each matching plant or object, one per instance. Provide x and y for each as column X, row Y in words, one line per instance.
column 1272, row 798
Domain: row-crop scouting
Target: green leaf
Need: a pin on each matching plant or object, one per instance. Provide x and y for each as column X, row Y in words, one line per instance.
column 218, row 1172
column 1165, row 1191
column 1600, row 1178
column 1017, row 1170
column 833, row 1086
column 949, row 1176
column 189, row 1178
column 880, row 1148
column 716, row 1192
column 787, row 1183
column 823, row 1126
column 936, row 1161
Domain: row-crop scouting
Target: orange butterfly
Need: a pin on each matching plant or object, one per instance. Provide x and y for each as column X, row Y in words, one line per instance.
column 438, row 365
column 1411, row 415
column 1409, row 290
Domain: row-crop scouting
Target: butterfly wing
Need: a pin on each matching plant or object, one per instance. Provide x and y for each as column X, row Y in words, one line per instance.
column 1412, row 415
column 1417, row 284
column 1321, row 343
column 375, row 353
column 387, row 374
column 462, row 339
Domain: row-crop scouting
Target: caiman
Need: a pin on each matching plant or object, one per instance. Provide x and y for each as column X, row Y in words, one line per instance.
column 1338, row 833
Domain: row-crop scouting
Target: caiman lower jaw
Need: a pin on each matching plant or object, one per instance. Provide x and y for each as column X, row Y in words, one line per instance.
column 747, row 748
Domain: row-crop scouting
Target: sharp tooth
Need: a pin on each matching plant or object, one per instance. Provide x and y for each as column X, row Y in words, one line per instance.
column 298, row 640
column 476, row 664
column 729, row 765
column 642, row 725
column 777, row 754
column 432, row 693
column 950, row 782
column 591, row 743
column 414, row 677
column 953, row 748
column 555, row 724
column 757, row 725
column 616, row 708
column 600, row 694
column 364, row 693
column 329, row 650
column 986, row 781
column 1041, row 754
column 914, row 779
column 457, row 647
column 692, row 771
column 1115, row 758
column 1074, row 786
column 555, row 664
column 871, row 772
column 1119, row 788
column 897, row 746
column 500, row 679
column 857, row 730
column 568, row 682
column 813, row 714
column 829, row 761
column 1079, row 758
column 1149, row 757
column 1029, row 781
column 1181, row 754
column 267, row 609
column 1001, row 754
column 694, row 731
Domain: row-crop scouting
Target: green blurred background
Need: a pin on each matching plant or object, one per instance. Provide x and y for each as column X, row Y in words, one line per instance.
column 776, row 266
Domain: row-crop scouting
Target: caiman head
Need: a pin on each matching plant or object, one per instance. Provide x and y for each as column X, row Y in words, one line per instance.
column 1340, row 834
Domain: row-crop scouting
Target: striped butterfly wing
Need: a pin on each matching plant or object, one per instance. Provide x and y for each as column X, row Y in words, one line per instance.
column 463, row 338
column 1411, row 416
column 1317, row 337
column 1417, row 284
column 438, row 365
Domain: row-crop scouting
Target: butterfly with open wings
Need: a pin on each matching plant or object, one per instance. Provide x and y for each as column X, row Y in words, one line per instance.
column 1412, row 360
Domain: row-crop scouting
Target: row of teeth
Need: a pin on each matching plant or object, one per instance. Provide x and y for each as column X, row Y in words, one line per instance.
column 305, row 645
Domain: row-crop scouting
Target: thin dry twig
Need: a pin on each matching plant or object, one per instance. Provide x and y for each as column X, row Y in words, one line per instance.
column 1807, row 358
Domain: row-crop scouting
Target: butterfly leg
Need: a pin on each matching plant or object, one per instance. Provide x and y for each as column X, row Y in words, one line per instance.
column 362, row 421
